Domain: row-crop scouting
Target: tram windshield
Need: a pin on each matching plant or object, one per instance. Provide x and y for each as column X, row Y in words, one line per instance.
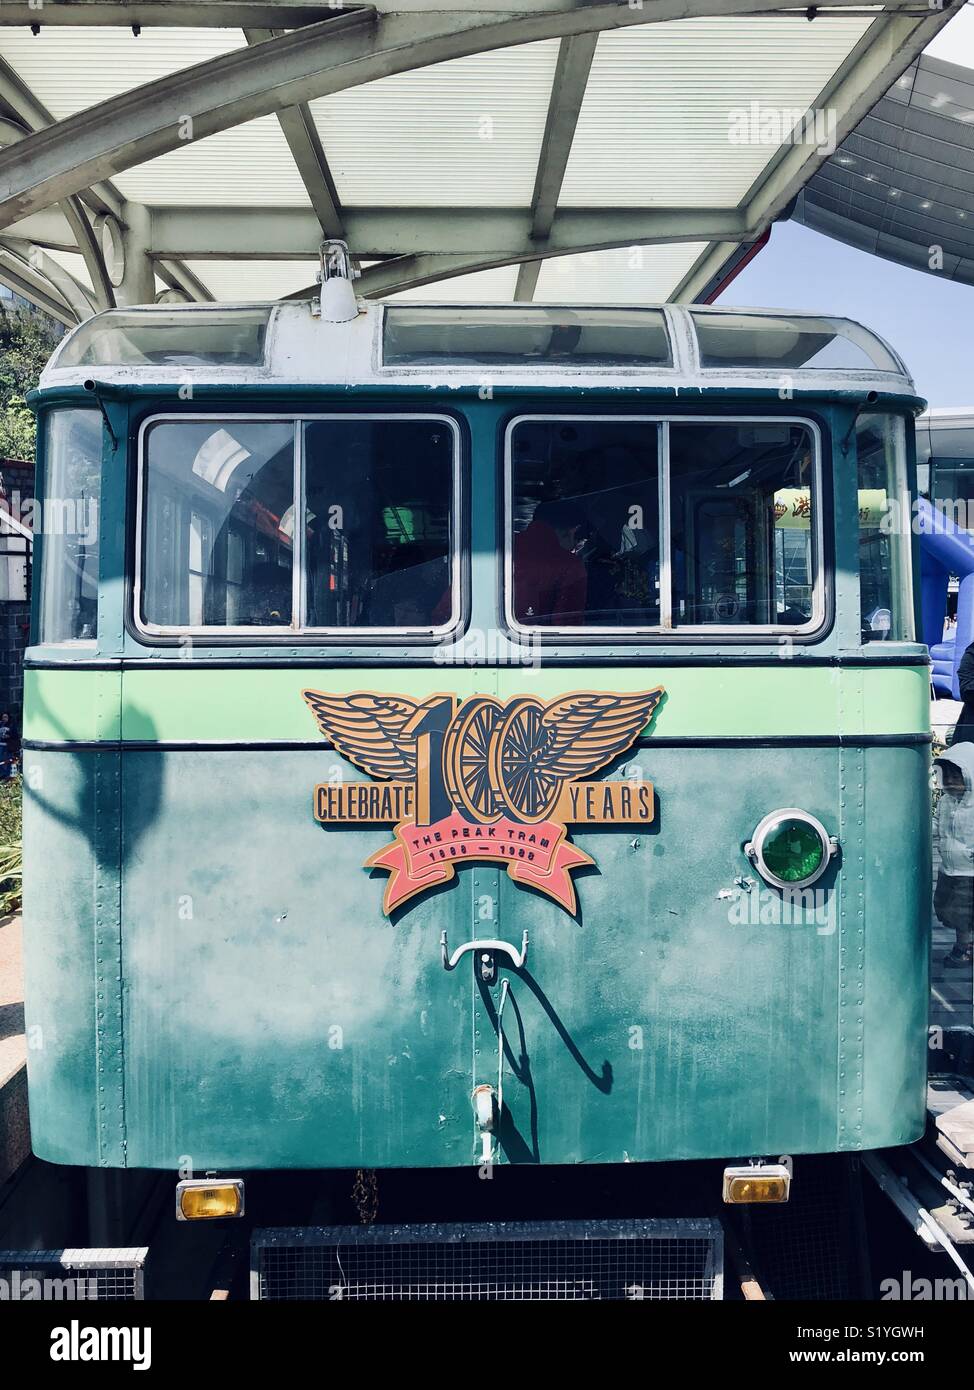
column 373, row 549
column 589, row 547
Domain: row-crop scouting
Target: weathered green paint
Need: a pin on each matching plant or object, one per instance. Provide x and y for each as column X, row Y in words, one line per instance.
column 210, row 977
column 204, row 705
column 249, row 934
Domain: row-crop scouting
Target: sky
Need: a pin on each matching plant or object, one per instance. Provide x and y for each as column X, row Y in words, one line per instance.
column 929, row 321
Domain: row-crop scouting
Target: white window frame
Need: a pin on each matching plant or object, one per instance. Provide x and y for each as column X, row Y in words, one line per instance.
column 666, row 628
column 297, row 627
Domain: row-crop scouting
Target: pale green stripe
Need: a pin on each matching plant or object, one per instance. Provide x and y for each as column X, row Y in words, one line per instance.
column 259, row 705
column 79, row 704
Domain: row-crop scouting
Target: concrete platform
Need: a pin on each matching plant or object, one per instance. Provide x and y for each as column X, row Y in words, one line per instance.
column 14, row 1125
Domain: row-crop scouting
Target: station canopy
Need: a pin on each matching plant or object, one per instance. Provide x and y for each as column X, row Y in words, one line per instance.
column 902, row 185
column 577, row 151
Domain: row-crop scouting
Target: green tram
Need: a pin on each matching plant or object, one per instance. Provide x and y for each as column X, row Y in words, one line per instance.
column 474, row 735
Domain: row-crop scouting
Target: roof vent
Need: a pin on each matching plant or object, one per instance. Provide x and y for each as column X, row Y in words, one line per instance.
column 337, row 303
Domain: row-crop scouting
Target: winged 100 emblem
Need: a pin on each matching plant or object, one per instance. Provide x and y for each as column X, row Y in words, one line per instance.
column 483, row 779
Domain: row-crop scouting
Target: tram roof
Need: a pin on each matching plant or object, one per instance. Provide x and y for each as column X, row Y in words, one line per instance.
column 455, row 345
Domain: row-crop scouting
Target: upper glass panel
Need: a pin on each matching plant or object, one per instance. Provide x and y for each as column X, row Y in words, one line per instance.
column 178, row 338
column 779, row 342
column 69, row 543
column 524, row 337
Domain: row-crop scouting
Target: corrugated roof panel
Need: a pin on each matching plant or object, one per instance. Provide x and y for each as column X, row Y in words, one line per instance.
column 464, row 134
column 663, row 101
column 247, row 281
column 71, row 68
column 483, row 287
column 636, row 275
column 74, row 263
column 247, row 166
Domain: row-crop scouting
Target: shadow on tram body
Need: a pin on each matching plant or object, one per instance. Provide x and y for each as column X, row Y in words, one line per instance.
column 98, row 810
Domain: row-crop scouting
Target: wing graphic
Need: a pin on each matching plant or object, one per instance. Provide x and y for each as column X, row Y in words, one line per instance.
column 368, row 730
column 589, row 729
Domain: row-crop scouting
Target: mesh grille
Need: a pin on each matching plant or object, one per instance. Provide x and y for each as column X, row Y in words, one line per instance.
column 508, row 1262
column 105, row 1276
column 804, row 1250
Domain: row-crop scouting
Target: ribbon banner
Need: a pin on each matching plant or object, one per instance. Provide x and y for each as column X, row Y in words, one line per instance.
column 537, row 855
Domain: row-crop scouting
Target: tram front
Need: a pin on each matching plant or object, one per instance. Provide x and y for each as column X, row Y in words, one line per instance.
column 475, row 735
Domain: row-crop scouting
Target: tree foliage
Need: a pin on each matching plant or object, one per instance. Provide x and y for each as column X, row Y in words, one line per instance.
column 27, row 339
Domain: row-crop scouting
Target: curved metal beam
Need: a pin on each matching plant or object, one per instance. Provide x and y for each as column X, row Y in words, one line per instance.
column 40, row 279
column 73, row 212
column 346, row 51
column 33, row 115
column 84, row 235
column 177, row 277
column 73, row 292
column 18, row 276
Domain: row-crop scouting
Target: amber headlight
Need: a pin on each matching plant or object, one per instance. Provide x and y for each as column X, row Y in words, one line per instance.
column 209, row 1199
column 791, row 848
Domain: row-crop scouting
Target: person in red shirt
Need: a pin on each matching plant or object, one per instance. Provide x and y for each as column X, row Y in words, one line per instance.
column 550, row 580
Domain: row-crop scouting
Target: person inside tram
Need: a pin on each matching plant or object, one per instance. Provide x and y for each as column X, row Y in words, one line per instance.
column 953, row 900
column 550, row 578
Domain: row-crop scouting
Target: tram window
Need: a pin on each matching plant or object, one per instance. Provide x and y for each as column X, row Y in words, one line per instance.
column 742, row 542
column 184, row 337
column 777, row 342
column 885, row 588
column 218, row 524
column 414, row 336
column 585, row 538
column 69, row 543
column 380, row 540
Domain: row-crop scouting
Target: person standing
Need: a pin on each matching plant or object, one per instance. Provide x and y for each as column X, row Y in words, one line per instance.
column 953, row 899
column 964, row 730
